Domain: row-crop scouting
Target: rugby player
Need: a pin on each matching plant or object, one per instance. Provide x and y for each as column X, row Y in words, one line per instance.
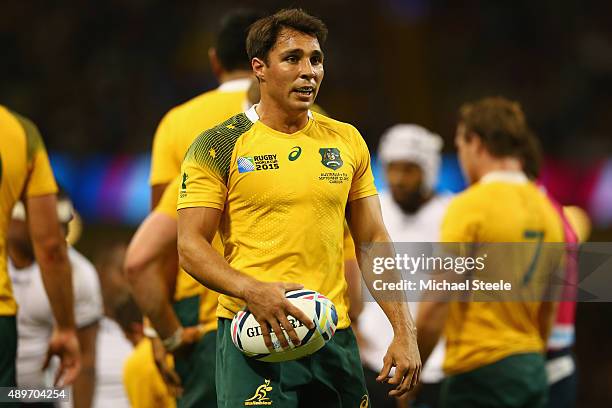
column 494, row 350
column 275, row 182
column 25, row 173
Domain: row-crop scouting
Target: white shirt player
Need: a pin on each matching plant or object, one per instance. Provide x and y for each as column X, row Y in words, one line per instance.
column 112, row 349
column 376, row 331
column 35, row 319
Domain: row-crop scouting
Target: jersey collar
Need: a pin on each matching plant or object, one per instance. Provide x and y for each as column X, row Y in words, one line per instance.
column 235, row 85
column 251, row 113
column 515, row 177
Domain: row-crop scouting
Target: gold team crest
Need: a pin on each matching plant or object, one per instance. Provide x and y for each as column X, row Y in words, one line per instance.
column 261, row 395
column 330, row 157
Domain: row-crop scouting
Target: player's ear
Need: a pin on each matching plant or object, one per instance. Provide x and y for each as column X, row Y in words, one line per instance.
column 258, row 68
column 215, row 64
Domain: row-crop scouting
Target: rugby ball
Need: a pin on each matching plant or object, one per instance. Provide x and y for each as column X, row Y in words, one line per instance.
column 247, row 336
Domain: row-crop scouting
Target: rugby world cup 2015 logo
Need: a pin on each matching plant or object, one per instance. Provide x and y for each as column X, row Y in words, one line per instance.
column 330, row 157
column 246, row 164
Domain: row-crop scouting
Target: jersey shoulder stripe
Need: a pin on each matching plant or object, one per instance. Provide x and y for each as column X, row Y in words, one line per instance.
column 213, row 149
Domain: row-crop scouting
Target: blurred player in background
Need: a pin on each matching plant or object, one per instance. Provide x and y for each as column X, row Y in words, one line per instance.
column 35, row 318
column 560, row 359
column 494, row 350
column 25, row 173
column 112, row 348
column 285, row 224
column 144, row 384
column 188, row 326
column 412, row 212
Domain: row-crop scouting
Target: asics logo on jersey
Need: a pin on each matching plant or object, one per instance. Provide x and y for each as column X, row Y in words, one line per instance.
column 261, row 395
column 295, row 153
column 330, row 157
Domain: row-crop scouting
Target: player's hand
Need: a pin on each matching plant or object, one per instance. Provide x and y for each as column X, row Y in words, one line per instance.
column 403, row 354
column 164, row 366
column 268, row 304
column 64, row 344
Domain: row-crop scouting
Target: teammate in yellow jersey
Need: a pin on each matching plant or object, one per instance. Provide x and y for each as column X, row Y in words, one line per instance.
column 25, row 173
column 186, row 326
column 275, row 181
column 494, row 349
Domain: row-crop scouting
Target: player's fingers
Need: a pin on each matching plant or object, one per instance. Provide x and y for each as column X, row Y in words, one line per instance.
column 415, row 378
column 295, row 339
column 292, row 286
column 404, row 385
column 47, row 359
column 298, row 314
column 384, row 373
column 68, row 371
column 276, row 327
column 265, row 332
column 400, row 373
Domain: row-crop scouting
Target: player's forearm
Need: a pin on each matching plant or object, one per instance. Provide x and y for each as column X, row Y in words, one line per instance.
column 151, row 294
column 394, row 305
column 84, row 386
column 430, row 325
column 207, row 266
column 56, row 274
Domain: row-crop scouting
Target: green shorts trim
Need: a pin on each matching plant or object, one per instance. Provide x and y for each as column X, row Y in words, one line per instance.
column 196, row 367
column 8, row 351
column 515, row 381
column 330, row 378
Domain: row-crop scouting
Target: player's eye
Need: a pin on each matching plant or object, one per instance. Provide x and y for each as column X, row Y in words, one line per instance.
column 316, row 60
column 291, row 58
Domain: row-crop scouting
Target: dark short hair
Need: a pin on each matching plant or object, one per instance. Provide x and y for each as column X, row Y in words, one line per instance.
column 501, row 126
column 264, row 32
column 127, row 313
column 231, row 39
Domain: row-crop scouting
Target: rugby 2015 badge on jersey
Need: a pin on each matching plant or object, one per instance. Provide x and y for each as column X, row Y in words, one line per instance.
column 330, row 157
column 246, row 164
column 259, row 162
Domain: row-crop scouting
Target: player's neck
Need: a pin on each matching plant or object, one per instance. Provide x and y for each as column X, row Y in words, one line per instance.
column 504, row 164
column 230, row 76
column 279, row 119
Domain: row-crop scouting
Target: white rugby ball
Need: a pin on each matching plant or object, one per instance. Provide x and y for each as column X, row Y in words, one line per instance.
column 246, row 331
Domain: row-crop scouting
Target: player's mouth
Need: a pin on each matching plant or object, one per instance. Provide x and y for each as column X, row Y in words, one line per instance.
column 305, row 91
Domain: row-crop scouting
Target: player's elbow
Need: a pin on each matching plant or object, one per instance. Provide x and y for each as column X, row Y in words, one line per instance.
column 51, row 250
column 134, row 266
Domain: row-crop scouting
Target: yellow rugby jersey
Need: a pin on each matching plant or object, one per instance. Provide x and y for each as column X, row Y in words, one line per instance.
column 283, row 198
column 186, row 286
column 23, row 159
column 142, row 381
column 502, row 207
column 182, row 124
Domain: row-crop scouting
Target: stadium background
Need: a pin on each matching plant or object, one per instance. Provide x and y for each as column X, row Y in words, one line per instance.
column 97, row 77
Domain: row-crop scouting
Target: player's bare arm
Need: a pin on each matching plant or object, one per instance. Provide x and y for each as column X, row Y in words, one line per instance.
column 144, row 266
column 430, row 325
column 266, row 300
column 50, row 250
column 367, row 227
column 152, row 281
column 157, row 191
